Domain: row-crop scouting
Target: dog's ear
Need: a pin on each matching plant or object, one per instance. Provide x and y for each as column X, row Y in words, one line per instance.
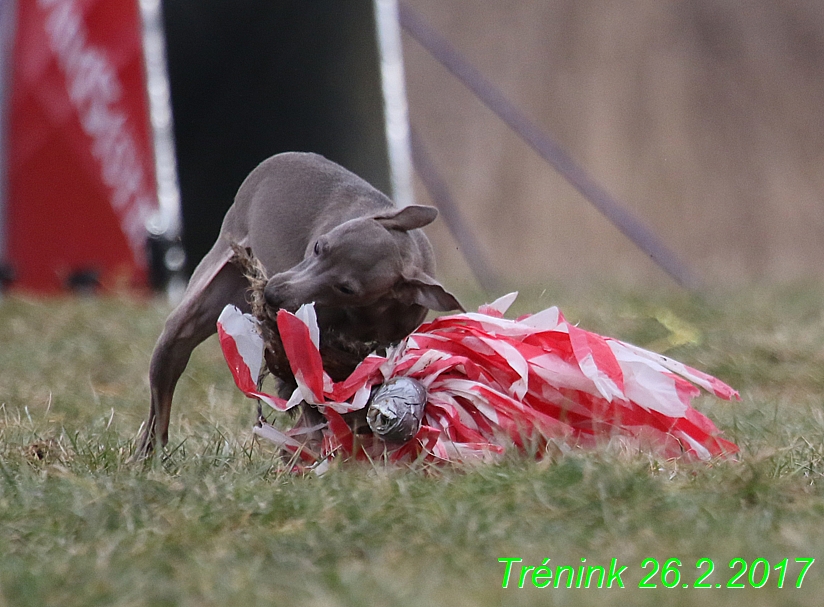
column 408, row 218
column 425, row 291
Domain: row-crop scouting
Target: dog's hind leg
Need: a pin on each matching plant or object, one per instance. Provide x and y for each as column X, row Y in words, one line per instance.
column 215, row 283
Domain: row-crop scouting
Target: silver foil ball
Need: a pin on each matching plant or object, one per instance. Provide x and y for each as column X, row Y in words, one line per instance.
column 396, row 408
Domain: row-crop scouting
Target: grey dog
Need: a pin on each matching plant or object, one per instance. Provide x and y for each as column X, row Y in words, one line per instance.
column 324, row 235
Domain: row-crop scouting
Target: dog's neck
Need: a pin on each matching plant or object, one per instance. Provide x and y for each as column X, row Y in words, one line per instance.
column 386, row 321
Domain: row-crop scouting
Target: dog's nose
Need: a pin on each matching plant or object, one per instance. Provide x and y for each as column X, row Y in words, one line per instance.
column 272, row 295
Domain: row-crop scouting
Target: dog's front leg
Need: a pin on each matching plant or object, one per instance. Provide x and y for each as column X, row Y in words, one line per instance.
column 187, row 326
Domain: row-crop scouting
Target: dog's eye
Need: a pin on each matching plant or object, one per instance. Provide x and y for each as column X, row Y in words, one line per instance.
column 317, row 247
column 345, row 289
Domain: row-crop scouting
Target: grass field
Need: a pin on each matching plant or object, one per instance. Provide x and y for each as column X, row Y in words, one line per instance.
column 217, row 522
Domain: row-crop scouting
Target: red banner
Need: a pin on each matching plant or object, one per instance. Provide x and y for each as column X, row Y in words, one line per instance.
column 80, row 162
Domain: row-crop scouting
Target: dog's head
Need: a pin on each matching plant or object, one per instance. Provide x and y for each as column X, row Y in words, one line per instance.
column 362, row 262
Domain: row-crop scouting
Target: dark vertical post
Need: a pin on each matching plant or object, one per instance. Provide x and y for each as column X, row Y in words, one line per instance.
column 250, row 79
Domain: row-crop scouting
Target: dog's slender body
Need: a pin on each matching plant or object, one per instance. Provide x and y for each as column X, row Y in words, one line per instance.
column 325, row 236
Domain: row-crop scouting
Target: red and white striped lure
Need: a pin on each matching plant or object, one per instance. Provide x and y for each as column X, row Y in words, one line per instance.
column 492, row 384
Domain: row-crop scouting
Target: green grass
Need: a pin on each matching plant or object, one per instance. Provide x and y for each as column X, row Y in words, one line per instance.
column 217, row 521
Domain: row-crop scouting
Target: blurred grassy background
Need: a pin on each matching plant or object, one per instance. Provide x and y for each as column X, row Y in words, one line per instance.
column 219, row 522
column 703, row 117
